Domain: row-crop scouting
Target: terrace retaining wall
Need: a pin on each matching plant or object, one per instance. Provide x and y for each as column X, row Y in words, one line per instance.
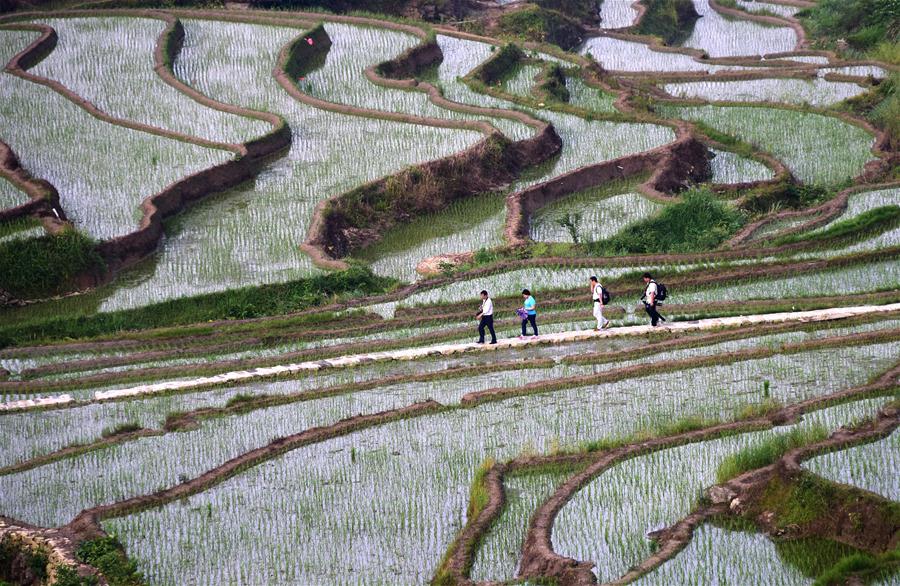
column 250, row 157
column 44, row 203
column 674, row 165
column 25, row 540
column 332, row 233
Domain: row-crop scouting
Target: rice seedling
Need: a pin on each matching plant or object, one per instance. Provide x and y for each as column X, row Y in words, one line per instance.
column 721, row 556
column 11, row 42
column 872, row 466
column 859, row 203
column 464, row 225
column 818, row 149
column 521, row 79
column 618, row 55
column 10, row 197
column 607, row 522
column 768, row 7
column 858, row 70
column 728, row 167
column 722, row 37
column 815, row 92
column 425, row 463
column 103, row 198
column 460, row 57
column 873, row 277
column 250, row 235
column 601, row 213
column 353, row 49
column 818, row 59
column 109, row 61
column 615, row 14
column 498, row 556
column 587, row 97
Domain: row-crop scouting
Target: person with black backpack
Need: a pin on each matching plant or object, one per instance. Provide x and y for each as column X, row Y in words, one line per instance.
column 653, row 294
column 600, row 297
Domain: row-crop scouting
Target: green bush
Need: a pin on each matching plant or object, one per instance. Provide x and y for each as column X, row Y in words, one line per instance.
column 67, row 576
column 45, row 266
column 500, row 64
column 554, row 83
column 862, row 23
column 698, row 222
column 670, row 20
column 537, row 24
column 107, row 555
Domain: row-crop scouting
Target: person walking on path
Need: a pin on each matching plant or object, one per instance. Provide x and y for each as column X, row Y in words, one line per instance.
column 529, row 312
column 649, row 299
column 486, row 318
column 597, row 297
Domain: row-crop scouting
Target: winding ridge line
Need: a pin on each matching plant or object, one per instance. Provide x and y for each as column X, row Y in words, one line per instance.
column 738, row 493
column 543, row 145
column 89, row 520
column 539, row 560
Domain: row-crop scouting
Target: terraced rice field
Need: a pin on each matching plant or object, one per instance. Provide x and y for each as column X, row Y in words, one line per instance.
column 234, row 405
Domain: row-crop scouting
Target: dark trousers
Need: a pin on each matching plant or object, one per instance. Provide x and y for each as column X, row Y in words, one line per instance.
column 654, row 315
column 487, row 321
column 533, row 320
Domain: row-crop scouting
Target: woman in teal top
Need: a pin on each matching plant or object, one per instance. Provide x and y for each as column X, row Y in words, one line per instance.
column 530, row 313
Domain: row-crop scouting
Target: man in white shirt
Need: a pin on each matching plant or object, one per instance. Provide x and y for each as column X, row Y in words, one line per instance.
column 597, row 297
column 486, row 318
column 649, row 299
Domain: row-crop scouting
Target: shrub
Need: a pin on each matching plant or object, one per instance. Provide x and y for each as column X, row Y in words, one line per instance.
column 670, row 20
column 107, row 555
column 534, row 23
column 698, row 222
column 554, row 83
column 47, row 265
column 862, row 23
column 67, row 576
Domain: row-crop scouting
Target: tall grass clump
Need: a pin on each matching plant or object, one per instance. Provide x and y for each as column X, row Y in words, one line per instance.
column 47, row 265
column 249, row 302
column 670, row 20
column 698, row 222
column 761, row 455
column 869, row 568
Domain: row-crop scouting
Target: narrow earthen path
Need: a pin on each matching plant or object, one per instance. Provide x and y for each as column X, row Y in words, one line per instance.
column 450, row 349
